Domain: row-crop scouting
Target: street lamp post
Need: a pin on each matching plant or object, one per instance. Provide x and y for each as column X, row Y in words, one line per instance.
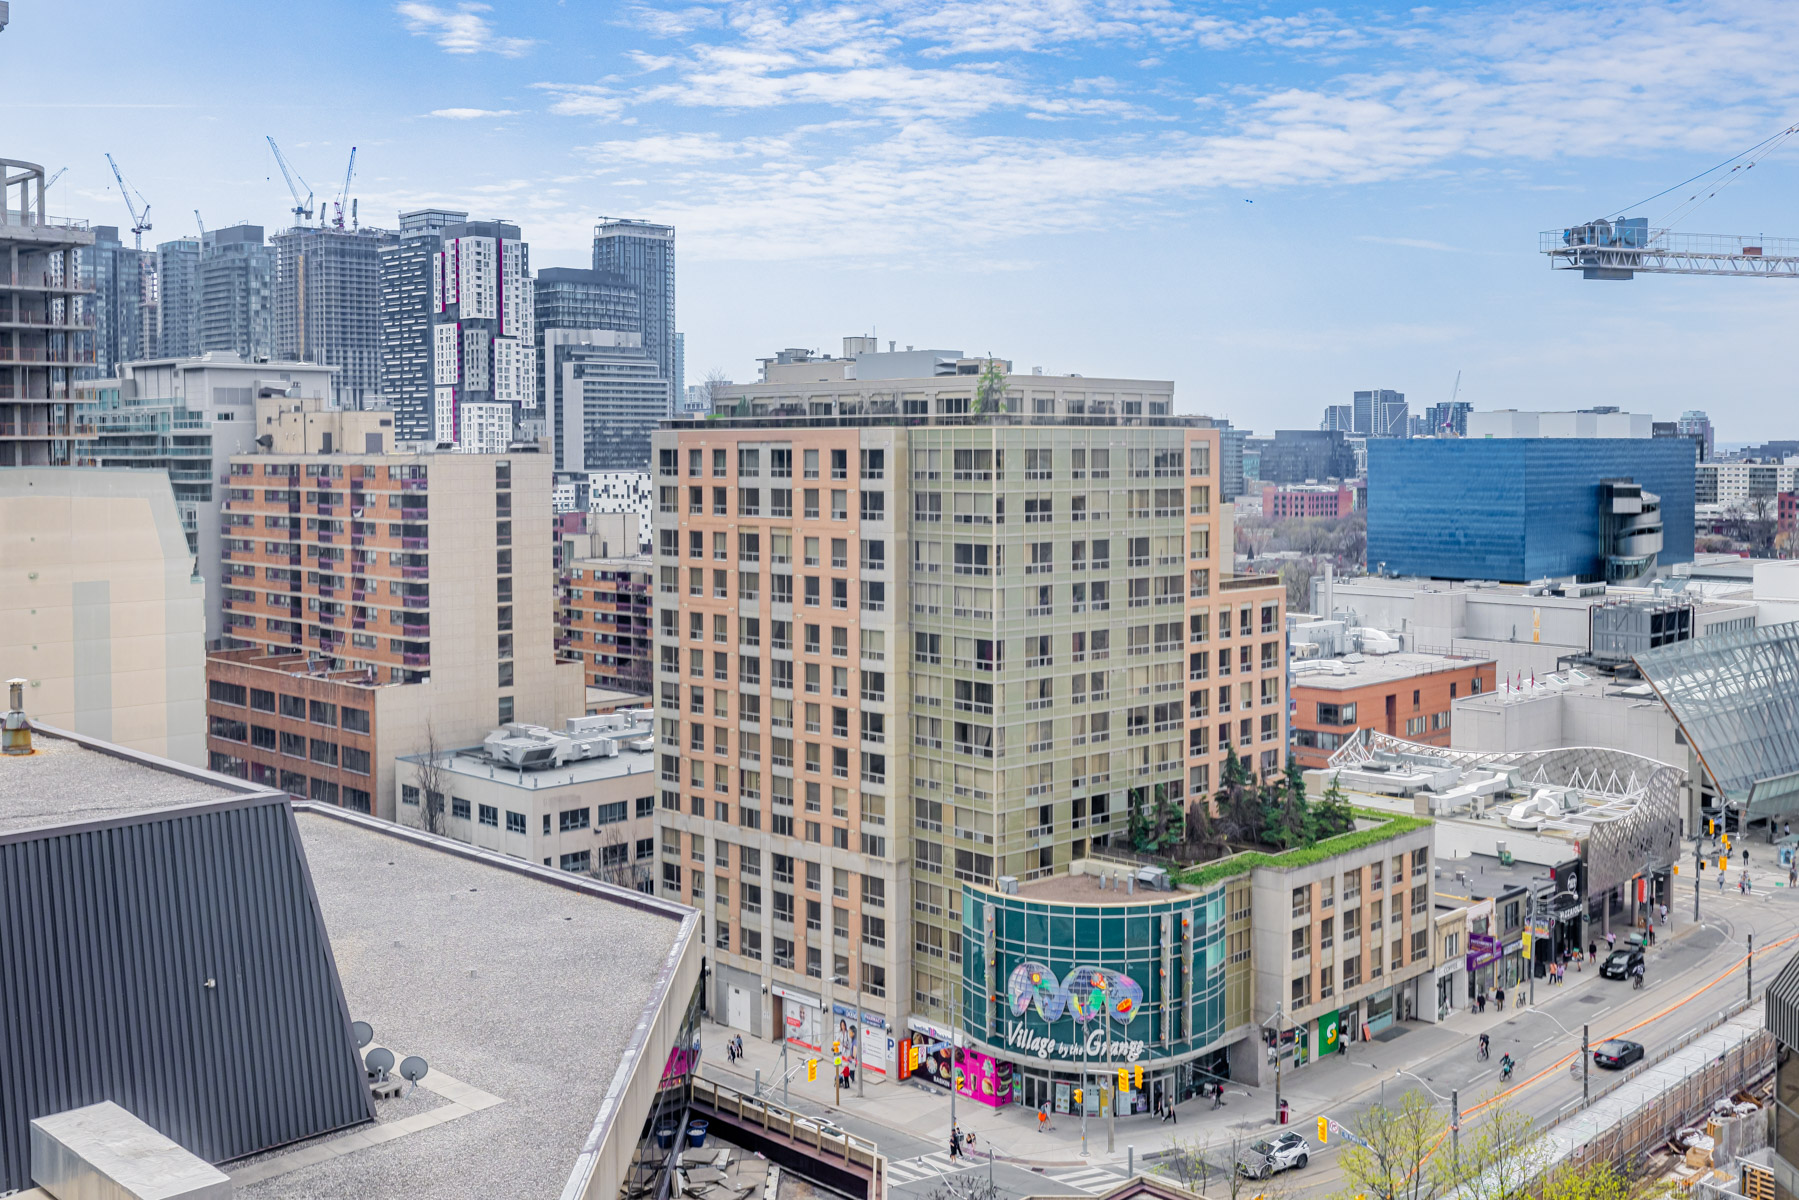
column 1695, row 879
column 1586, row 1066
column 1749, row 969
column 1277, row 1062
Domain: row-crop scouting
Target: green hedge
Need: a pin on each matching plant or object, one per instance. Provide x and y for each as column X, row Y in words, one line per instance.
column 1393, row 825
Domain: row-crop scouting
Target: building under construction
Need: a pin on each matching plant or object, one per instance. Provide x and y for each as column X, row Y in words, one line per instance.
column 328, row 304
column 43, row 331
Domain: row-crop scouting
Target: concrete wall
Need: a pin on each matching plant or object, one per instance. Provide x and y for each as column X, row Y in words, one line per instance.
column 100, row 610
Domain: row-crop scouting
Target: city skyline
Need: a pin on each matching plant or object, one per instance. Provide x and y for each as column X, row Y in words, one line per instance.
column 1124, row 161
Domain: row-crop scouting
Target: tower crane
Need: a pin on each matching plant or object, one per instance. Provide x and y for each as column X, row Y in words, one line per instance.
column 200, row 223
column 140, row 217
column 50, row 182
column 1619, row 247
column 343, row 192
column 302, row 208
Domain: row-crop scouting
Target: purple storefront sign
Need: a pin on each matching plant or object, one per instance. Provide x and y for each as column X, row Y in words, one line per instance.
column 1483, row 949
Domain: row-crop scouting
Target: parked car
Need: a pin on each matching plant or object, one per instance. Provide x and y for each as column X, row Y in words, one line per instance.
column 1270, row 1156
column 1621, row 962
column 1617, row 1054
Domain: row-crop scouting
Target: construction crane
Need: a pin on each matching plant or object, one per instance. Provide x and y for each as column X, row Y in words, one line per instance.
column 302, row 208
column 51, row 182
column 200, row 223
column 1619, row 247
column 343, row 193
column 140, row 218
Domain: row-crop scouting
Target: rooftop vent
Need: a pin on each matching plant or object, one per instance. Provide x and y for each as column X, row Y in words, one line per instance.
column 18, row 726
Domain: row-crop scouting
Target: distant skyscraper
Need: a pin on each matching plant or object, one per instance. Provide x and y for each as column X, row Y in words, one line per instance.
column 408, row 275
column 581, row 298
column 679, row 379
column 606, row 398
column 1694, row 423
column 116, row 273
column 178, row 289
column 481, row 337
column 644, row 253
column 237, row 292
column 1338, row 418
column 328, row 304
column 1447, row 419
column 1230, row 461
column 1381, row 413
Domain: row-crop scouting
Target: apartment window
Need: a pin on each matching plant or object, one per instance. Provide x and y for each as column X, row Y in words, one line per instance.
column 459, row 808
column 1302, row 991
column 490, row 815
column 515, row 822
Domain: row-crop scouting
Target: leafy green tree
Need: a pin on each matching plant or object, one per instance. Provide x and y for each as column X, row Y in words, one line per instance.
column 1140, row 831
column 990, row 388
column 1333, row 815
column 1239, row 801
column 1392, row 1160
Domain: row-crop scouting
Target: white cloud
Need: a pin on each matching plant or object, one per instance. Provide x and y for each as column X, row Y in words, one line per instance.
column 462, row 30
column 472, row 114
column 685, row 148
column 584, row 99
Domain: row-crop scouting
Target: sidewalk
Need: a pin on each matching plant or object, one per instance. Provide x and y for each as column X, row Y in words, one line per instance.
column 1328, row 1086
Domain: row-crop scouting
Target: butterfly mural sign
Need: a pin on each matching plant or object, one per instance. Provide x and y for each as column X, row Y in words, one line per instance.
column 1088, row 995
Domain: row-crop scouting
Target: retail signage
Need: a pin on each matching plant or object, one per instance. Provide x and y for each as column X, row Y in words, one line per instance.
column 1330, row 1031
column 1483, row 948
column 1020, row 1036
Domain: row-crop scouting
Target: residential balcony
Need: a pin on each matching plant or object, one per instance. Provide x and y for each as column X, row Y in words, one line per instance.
column 38, row 430
column 415, row 601
column 48, row 357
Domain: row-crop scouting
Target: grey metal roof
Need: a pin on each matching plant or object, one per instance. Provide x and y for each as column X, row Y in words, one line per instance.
column 174, row 961
column 1736, row 698
column 1783, row 1005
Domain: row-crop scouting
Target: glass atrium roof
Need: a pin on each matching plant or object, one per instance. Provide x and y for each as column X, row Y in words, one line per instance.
column 1736, row 698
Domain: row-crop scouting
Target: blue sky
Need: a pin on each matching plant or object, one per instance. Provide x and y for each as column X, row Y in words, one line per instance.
column 1271, row 204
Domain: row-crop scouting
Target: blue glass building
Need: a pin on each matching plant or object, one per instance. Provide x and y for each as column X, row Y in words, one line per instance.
column 1516, row 509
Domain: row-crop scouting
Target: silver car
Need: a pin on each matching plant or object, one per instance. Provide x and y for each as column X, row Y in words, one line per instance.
column 1270, row 1156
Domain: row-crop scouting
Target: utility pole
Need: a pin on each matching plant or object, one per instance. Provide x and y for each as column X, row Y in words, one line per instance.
column 1085, row 1084
column 1455, row 1131
column 1112, row 1083
column 1277, row 1062
column 955, row 1073
column 1530, row 920
column 1586, row 1066
column 1695, row 879
column 1749, row 969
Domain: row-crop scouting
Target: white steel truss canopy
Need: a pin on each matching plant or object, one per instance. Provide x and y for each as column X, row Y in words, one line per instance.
column 1736, row 699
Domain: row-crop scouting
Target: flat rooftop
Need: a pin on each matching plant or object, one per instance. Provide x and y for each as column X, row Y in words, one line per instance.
column 472, row 763
column 1085, row 889
column 64, row 782
column 1487, row 877
column 1366, row 670
column 520, row 986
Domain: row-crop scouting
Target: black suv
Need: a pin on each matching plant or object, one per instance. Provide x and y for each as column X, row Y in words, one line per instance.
column 1621, row 963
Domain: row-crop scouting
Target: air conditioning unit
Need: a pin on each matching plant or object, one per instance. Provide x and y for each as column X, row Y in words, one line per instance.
column 1008, row 884
column 1154, row 877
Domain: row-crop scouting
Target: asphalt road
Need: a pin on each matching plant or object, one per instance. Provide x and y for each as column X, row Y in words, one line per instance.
column 1545, row 1042
column 1689, row 982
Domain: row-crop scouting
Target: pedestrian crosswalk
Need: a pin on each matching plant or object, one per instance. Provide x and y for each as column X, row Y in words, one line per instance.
column 927, row 1166
column 1092, row 1180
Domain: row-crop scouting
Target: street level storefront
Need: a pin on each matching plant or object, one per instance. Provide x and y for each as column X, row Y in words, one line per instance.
column 1066, row 982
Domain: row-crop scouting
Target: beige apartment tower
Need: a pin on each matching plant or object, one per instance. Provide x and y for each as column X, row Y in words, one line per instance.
column 375, row 603
column 905, row 644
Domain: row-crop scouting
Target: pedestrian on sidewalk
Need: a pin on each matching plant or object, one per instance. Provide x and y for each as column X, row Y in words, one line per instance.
column 1611, row 940
column 1592, row 951
column 1793, row 874
column 1043, row 1119
column 955, row 1142
column 1745, row 858
column 1499, row 998
column 1664, row 909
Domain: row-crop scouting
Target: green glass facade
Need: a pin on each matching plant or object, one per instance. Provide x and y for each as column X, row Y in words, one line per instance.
column 1170, row 948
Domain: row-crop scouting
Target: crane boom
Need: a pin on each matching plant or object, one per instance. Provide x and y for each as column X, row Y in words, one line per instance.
column 302, row 208
column 344, row 192
column 1624, row 248
column 140, row 218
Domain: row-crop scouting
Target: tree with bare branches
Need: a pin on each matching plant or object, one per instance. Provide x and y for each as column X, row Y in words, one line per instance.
column 432, row 779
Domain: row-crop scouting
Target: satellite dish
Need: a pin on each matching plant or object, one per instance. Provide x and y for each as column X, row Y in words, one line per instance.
column 380, row 1061
column 363, row 1032
column 413, row 1068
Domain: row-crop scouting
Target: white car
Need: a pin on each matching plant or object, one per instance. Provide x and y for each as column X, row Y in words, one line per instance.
column 1270, row 1156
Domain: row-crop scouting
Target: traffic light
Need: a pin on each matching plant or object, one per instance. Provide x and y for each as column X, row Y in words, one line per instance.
column 811, row 1070
column 1710, row 830
column 1727, row 843
column 1323, row 1131
column 1124, row 1080
column 1722, row 865
column 1138, row 1071
column 836, row 1047
column 1077, row 1095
